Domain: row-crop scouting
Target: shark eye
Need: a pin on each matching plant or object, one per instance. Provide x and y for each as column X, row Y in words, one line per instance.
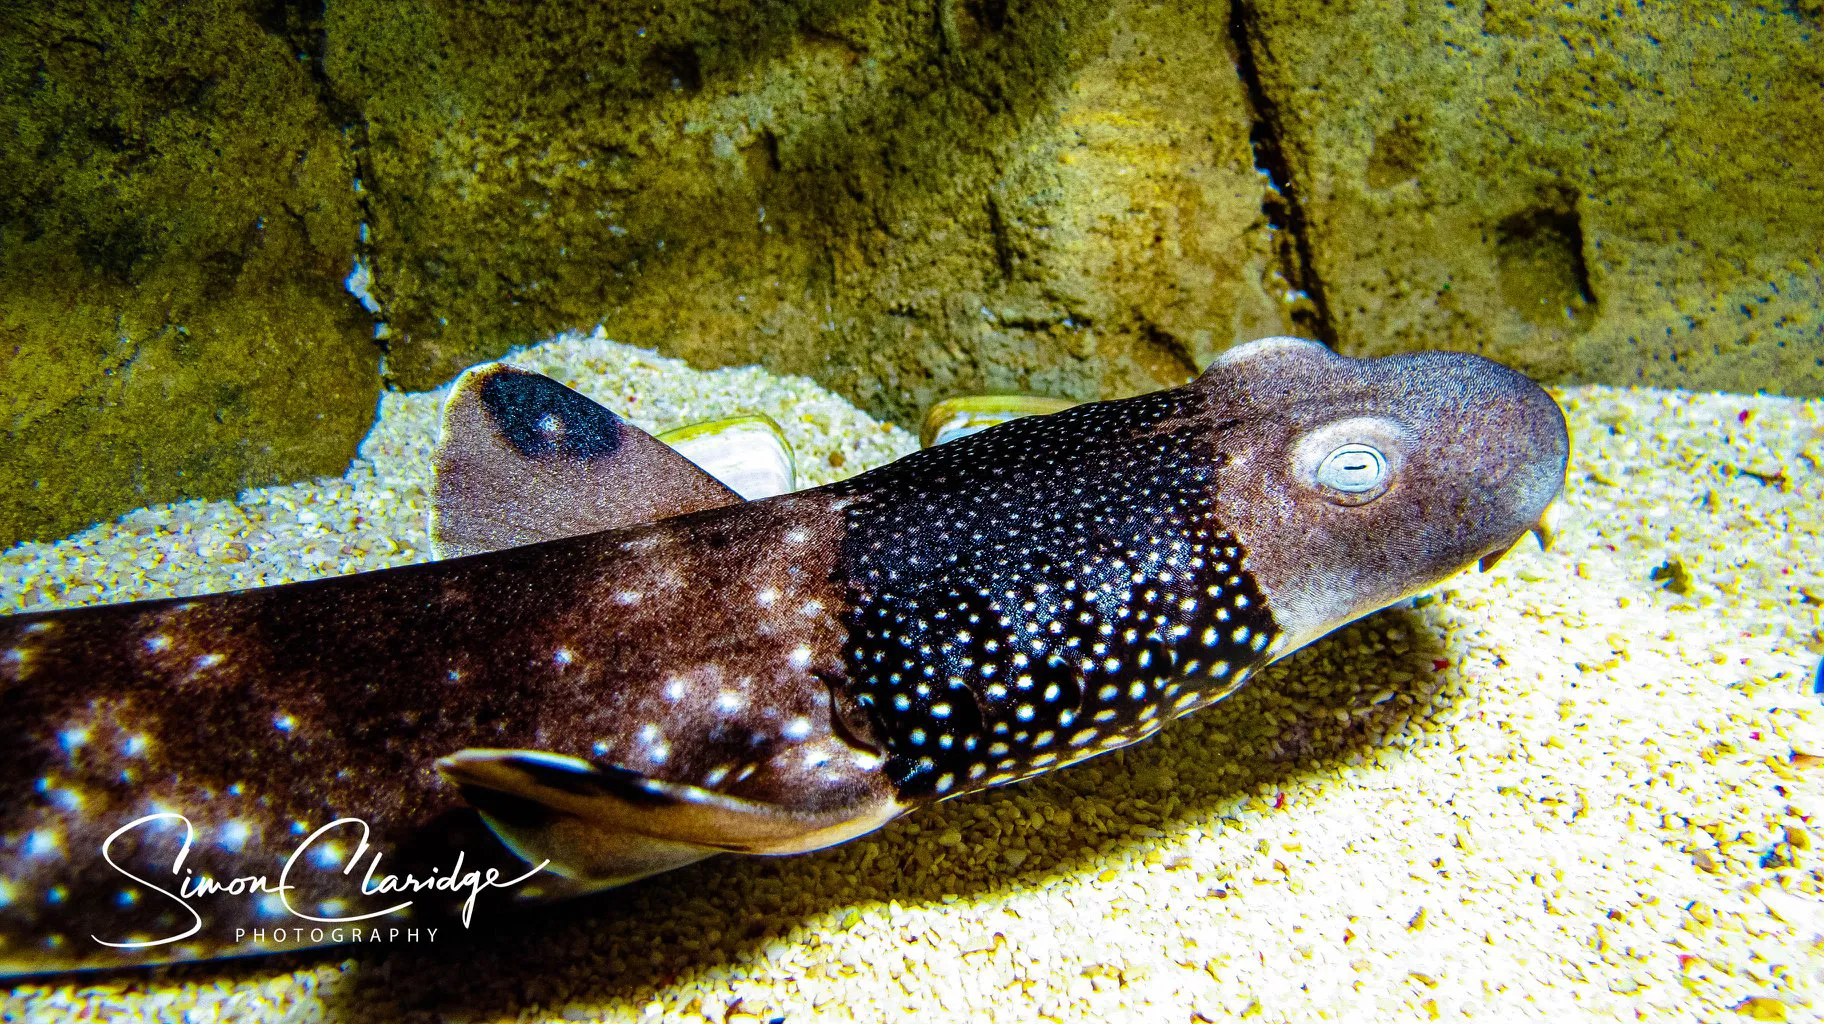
column 1352, row 461
column 1353, row 469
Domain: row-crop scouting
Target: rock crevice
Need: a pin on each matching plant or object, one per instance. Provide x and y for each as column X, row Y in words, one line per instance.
column 1281, row 205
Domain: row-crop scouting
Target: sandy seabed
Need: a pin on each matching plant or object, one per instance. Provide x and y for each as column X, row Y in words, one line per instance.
column 1588, row 784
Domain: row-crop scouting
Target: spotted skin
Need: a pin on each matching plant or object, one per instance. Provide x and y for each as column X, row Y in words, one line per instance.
column 266, row 714
column 1010, row 623
column 795, row 671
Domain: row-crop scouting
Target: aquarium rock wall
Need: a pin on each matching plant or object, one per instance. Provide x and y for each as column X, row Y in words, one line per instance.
column 227, row 226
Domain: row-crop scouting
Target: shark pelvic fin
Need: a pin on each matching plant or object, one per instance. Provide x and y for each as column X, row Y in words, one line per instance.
column 609, row 824
column 525, row 459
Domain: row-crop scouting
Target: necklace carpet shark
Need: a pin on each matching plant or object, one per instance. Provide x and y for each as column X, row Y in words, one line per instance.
column 621, row 667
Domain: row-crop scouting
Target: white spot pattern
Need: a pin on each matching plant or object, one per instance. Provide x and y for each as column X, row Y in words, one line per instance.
column 1053, row 568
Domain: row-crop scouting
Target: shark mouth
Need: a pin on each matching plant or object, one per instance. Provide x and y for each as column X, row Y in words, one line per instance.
column 1546, row 529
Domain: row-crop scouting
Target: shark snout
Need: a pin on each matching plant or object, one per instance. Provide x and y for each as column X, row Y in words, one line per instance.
column 1515, row 440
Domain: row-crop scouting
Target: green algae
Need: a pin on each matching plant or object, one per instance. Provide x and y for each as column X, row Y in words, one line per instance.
column 176, row 223
column 876, row 195
column 1588, row 192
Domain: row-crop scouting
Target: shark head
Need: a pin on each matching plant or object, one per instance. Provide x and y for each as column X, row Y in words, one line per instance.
column 1353, row 483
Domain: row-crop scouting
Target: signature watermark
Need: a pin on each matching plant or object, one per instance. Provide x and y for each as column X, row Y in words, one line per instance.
column 342, row 928
column 337, row 936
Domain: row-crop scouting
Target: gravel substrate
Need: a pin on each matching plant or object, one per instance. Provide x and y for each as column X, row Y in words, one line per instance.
column 1587, row 784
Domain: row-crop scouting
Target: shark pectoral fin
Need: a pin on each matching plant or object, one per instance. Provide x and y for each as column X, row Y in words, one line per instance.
column 525, row 459
column 572, row 846
column 604, row 822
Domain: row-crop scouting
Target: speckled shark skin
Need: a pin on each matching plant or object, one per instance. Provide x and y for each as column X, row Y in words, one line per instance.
column 769, row 677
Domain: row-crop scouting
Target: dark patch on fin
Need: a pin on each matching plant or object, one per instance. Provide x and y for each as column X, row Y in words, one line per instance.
column 543, row 419
column 525, row 459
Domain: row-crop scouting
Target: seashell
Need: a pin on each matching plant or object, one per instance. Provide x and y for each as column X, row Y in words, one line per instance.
column 747, row 453
column 959, row 417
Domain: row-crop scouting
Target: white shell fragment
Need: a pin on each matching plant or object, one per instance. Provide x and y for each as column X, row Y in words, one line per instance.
column 959, row 417
column 748, row 453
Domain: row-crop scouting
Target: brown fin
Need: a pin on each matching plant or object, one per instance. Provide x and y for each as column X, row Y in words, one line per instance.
column 607, row 823
column 525, row 459
column 574, row 847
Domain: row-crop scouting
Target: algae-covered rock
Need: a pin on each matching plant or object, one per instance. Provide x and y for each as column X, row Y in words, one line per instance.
column 901, row 200
column 176, row 217
column 906, row 201
column 1585, row 190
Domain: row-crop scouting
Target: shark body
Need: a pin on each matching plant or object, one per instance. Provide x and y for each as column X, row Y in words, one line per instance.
column 627, row 669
